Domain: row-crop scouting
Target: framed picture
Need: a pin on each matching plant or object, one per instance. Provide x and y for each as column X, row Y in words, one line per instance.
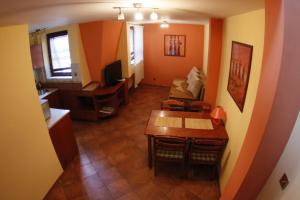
column 174, row 45
column 240, row 65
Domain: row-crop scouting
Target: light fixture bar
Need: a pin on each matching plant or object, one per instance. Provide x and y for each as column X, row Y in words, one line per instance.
column 138, row 15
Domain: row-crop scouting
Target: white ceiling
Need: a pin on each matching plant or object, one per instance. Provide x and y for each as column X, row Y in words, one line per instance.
column 51, row 13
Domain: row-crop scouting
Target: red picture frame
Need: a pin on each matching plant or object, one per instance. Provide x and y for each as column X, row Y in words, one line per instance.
column 240, row 66
column 174, row 45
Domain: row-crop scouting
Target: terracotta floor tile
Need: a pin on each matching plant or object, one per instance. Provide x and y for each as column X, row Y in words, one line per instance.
column 56, row 193
column 112, row 162
column 82, row 159
column 96, row 154
column 150, row 191
column 101, row 193
column 129, row 196
column 74, row 190
column 101, row 165
column 110, row 175
column 139, row 177
column 119, row 188
column 181, row 193
column 85, row 170
column 92, row 182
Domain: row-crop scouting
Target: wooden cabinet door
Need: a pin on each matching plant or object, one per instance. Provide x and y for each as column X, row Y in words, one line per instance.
column 63, row 140
column 37, row 56
column 54, row 100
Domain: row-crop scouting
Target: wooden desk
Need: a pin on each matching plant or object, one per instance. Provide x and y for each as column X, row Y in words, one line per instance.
column 217, row 133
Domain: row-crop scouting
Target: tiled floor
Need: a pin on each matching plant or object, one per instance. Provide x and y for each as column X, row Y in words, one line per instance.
column 112, row 163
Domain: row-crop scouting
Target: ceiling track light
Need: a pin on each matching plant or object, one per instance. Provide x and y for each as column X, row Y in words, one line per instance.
column 164, row 24
column 154, row 15
column 138, row 14
column 121, row 14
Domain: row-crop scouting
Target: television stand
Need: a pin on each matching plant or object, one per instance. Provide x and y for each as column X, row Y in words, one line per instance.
column 93, row 103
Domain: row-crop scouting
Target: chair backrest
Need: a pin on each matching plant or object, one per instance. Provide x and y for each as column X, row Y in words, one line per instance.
column 170, row 144
column 209, row 148
column 198, row 106
column 172, row 104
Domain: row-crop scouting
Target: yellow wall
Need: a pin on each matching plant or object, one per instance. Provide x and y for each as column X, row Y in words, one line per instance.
column 246, row 28
column 84, row 69
column 205, row 47
column 123, row 51
column 76, row 50
column 29, row 165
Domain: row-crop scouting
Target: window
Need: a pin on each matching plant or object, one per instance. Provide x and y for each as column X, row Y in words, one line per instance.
column 59, row 53
column 131, row 39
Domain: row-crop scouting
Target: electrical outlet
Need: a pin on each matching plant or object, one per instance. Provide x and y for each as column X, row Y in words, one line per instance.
column 284, row 181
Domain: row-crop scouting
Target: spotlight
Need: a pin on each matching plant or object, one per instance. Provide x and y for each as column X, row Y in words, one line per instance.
column 138, row 15
column 121, row 15
column 164, row 25
column 154, row 15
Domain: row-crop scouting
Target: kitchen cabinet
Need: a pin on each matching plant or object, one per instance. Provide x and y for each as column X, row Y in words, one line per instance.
column 62, row 136
column 37, row 56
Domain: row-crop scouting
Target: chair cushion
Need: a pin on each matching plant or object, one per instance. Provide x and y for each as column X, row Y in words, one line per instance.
column 169, row 154
column 195, row 87
column 205, row 157
column 179, row 90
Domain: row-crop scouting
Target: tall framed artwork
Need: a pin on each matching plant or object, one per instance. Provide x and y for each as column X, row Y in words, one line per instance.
column 240, row 66
column 174, row 45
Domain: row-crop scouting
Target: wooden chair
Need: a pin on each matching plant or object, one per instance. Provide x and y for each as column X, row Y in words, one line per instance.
column 206, row 152
column 198, row 106
column 172, row 105
column 170, row 149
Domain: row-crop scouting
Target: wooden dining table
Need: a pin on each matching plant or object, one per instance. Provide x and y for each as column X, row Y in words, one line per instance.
column 187, row 125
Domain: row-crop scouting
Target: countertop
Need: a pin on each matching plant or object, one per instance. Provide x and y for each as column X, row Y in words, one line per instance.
column 56, row 115
column 49, row 91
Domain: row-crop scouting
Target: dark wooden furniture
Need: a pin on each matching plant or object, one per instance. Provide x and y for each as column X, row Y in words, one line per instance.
column 172, row 104
column 198, row 106
column 170, row 149
column 190, row 106
column 218, row 132
column 62, row 137
column 206, row 152
column 53, row 97
column 92, row 104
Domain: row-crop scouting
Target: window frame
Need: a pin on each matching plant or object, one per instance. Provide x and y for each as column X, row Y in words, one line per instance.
column 52, row 70
column 132, row 54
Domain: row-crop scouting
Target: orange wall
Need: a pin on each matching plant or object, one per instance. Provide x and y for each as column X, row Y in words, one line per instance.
column 214, row 60
column 100, row 42
column 165, row 68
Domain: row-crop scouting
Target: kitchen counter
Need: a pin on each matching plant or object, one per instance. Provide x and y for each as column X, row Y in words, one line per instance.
column 48, row 92
column 56, row 115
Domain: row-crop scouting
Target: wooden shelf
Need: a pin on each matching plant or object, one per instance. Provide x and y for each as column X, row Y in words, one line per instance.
column 86, row 104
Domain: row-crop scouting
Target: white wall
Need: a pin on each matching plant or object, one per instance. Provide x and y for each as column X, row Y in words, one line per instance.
column 289, row 163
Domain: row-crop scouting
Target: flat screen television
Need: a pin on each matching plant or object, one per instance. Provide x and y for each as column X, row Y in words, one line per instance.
column 113, row 73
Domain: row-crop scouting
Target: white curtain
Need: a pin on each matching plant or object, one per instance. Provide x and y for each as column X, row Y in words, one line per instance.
column 138, row 54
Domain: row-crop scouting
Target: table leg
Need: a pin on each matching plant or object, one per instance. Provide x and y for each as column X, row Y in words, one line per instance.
column 150, row 151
